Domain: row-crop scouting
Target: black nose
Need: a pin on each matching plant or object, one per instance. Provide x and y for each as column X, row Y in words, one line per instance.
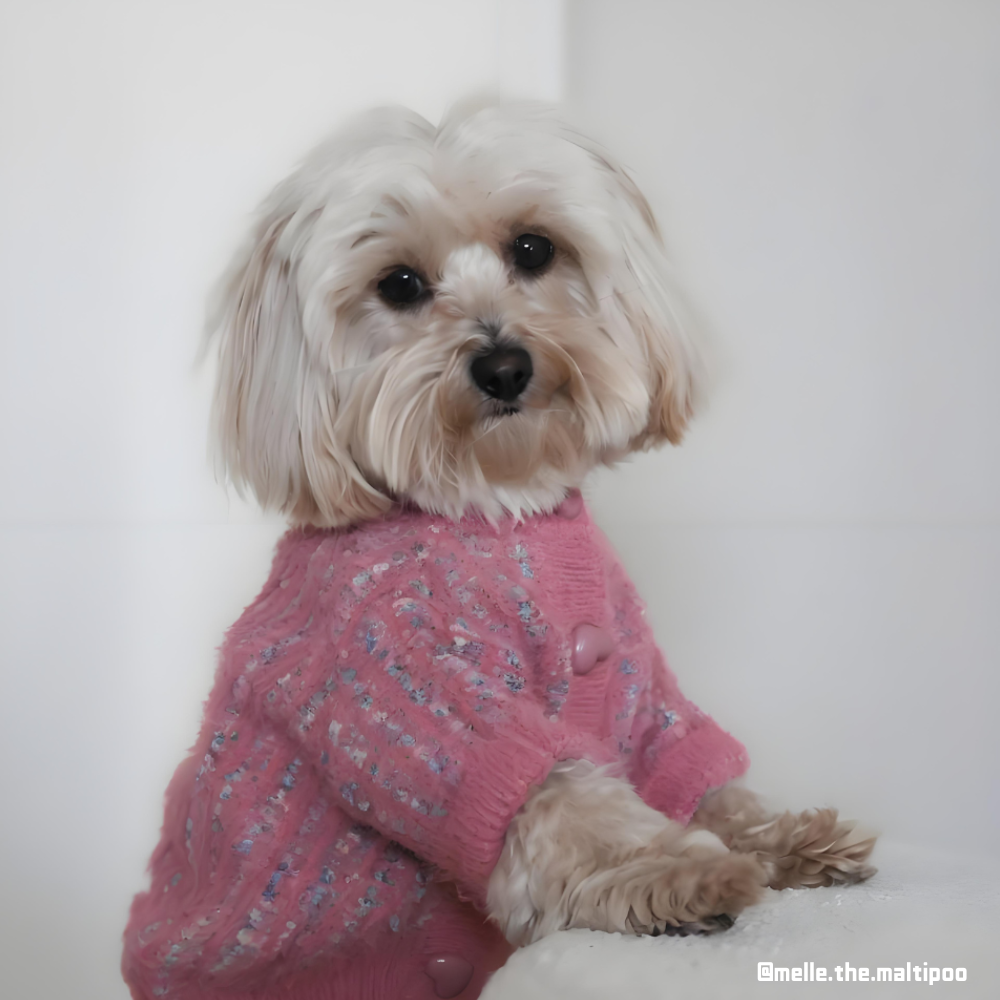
column 504, row 373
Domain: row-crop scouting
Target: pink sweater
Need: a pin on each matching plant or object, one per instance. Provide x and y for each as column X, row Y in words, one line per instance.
column 379, row 715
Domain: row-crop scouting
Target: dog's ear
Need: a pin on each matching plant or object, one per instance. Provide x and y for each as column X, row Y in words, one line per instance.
column 642, row 297
column 276, row 402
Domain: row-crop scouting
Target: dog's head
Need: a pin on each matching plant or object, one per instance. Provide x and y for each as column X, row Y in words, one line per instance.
column 471, row 317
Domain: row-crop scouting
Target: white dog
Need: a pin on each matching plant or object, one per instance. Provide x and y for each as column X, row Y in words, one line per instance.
column 462, row 321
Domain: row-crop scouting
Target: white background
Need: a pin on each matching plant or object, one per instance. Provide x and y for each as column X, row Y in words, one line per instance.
column 821, row 558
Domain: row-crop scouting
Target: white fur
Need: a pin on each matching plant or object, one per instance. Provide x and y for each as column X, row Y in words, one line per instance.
column 331, row 404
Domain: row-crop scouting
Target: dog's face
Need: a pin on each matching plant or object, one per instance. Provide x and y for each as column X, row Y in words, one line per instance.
column 471, row 316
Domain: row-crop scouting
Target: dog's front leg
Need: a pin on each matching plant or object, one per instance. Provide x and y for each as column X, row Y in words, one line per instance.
column 586, row 851
column 798, row 850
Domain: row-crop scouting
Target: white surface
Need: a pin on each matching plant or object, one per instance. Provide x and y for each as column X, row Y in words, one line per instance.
column 922, row 906
column 820, row 557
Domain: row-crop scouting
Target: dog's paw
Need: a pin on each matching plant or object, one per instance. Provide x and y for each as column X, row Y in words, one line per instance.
column 809, row 849
column 697, row 895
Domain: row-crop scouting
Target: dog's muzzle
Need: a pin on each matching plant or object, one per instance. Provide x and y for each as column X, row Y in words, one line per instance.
column 503, row 373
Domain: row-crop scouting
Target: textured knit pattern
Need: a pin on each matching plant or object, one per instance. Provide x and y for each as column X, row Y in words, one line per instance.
column 380, row 713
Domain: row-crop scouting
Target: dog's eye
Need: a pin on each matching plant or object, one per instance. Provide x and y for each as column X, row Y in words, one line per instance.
column 402, row 286
column 532, row 251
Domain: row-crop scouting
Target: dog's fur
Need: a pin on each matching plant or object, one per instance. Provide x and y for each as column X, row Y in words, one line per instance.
column 333, row 404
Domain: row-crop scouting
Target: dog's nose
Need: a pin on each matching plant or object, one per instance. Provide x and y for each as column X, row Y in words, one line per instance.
column 504, row 373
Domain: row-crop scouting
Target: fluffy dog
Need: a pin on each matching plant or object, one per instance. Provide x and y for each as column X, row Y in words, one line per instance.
column 445, row 705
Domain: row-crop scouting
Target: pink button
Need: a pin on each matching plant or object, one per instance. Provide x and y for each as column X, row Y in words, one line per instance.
column 572, row 506
column 450, row 974
column 591, row 645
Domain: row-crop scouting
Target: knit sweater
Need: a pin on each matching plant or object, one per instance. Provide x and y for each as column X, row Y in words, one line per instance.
column 380, row 713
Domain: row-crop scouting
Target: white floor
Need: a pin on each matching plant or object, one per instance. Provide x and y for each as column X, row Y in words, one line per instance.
column 923, row 906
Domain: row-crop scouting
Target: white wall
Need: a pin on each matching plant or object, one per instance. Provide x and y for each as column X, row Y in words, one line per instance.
column 822, row 557
column 135, row 138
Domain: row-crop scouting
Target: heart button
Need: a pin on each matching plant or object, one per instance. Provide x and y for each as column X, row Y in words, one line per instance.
column 450, row 974
column 591, row 645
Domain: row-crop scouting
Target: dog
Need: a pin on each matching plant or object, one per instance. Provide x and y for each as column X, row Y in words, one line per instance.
column 443, row 729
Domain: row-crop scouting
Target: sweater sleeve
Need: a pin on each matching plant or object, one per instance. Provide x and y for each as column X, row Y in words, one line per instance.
column 678, row 751
column 422, row 725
